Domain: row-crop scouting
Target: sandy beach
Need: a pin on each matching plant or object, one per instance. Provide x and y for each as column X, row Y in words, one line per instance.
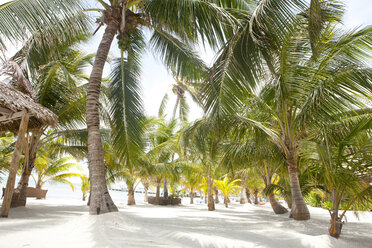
column 66, row 223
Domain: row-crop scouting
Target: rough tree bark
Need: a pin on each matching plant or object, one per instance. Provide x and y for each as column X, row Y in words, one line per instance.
column 336, row 224
column 19, row 198
column 131, row 200
column 165, row 189
column 216, row 198
column 100, row 200
column 243, row 193
column 276, row 206
column 248, row 192
column 191, row 196
column 157, row 196
column 299, row 210
column 211, row 206
column 255, row 193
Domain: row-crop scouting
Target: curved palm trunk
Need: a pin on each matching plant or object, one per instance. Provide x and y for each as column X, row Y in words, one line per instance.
column 211, row 206
column 84, row 196
column 276, row 206
column 100, row 200
column 131, row 200
column 299, row 210
column 19, row 198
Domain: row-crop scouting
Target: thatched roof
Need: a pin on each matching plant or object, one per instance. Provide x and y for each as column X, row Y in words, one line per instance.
column 14, row 103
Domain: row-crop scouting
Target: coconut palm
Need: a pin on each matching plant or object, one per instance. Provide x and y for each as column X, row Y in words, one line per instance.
column 190, row 179
column 203, row 138
column 49, row 168
column 57, row 85
column 227, row 188
column 174, row 26
column 341, row 158
column 59, row 21
column 299, row 85
column 85, row 187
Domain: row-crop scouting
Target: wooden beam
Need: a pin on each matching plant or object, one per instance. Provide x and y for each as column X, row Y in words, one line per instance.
column 5, row 111
column 13, row 166
column 14, row 116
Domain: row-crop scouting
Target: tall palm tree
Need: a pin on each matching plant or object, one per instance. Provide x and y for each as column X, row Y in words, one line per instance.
column 299, row 84
column 189, row 20
column 203, row 138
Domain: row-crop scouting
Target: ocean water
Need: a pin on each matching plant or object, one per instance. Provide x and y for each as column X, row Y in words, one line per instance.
column 64, row 191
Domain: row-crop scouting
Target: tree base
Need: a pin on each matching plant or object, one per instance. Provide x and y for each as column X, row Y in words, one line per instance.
column 101, row 204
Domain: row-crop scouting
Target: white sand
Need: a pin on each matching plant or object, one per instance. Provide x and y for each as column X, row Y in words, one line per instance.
column 66, row 223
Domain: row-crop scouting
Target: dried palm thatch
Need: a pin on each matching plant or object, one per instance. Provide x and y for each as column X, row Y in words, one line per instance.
column 13, row 104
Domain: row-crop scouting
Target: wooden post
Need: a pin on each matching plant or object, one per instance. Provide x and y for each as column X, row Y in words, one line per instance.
column 14, row 166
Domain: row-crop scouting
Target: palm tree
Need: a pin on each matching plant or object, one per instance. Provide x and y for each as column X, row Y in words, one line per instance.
column 203, row 138
column 340, row 160
column 56, row 83
column 84, row 186
column 50, row 168
column 191, row 178
column 54, row 22
column 293, row 76
column 227, row 188
column 189, row 20
column 161, row 145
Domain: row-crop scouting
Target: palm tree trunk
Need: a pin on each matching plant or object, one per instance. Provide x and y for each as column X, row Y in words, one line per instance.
column 131, row 200
column 165, row 189
column 243, row 193
column 216, row 199
column 255, row 193
column 157, row 197
column 84, row 196
column 210, row 193
column 226, row 201
column 336, row 225
column 19, row 198
column 191, row 196
column 276, row 206
column 248, row 192
column 299, row 210
column 146, row 188
column 100, row 201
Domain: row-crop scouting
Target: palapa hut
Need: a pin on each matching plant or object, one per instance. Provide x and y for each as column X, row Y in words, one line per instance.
column 19, row 114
